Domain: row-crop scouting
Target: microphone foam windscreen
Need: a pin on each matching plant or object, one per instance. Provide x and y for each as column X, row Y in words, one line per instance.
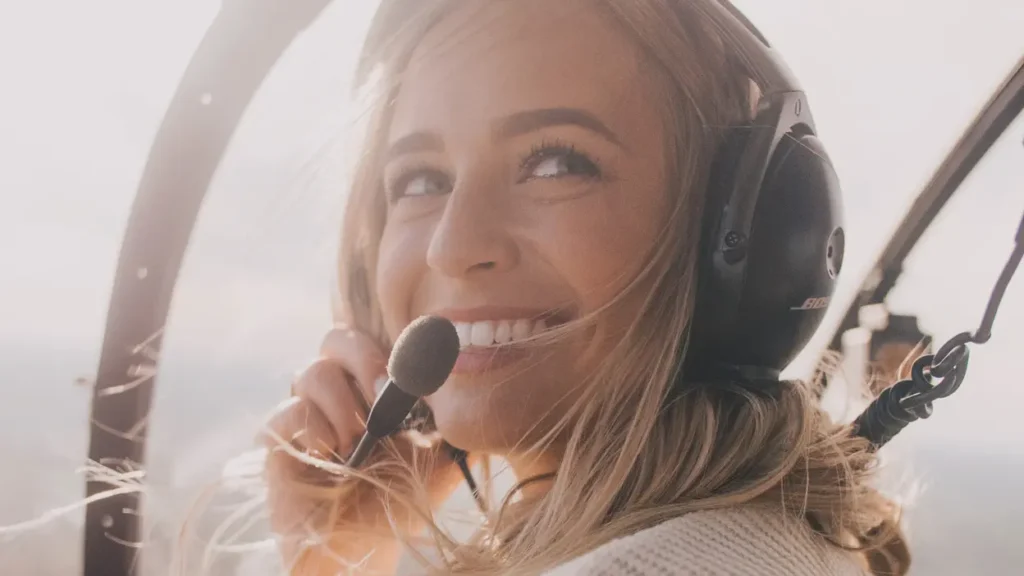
column 424, row 355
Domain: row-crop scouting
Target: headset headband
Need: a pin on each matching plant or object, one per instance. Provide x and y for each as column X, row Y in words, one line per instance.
column 756, row 55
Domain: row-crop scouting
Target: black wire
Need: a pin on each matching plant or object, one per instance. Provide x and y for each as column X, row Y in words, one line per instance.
column 422, row 419
column 985, row 329
column 461, row 457
column 911, row 400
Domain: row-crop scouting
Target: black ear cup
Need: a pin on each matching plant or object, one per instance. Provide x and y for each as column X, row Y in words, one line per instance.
column 760, row 301
column 791, row 275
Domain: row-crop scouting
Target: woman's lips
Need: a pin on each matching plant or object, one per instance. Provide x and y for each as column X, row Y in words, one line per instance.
column 487, row 327
column 490, row 335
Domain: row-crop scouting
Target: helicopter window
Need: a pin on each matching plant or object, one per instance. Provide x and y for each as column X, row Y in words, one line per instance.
column 85, row 85
column 972, row 444
column 85, row 92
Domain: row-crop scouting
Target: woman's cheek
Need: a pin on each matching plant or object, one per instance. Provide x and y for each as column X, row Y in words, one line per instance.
column 599, row 253
column 399, row 263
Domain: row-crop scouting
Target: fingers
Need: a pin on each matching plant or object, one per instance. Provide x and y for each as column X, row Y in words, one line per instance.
column 326, row 386
column 359, row 354
column 331, row 396
column 299, row 422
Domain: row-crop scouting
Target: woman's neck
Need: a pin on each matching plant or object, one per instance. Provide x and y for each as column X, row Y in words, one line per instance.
column 535, row 470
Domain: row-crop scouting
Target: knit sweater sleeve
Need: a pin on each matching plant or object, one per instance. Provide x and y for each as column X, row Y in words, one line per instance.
column 733, row 542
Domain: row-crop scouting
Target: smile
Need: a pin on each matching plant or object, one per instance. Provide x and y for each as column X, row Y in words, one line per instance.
column 482, row 332
column 491, row 332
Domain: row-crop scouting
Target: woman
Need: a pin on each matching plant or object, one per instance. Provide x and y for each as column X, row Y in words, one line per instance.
column 536, row 172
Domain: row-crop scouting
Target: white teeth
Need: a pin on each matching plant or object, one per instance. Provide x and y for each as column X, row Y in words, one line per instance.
column 464, row 330
column 503, row 332
column 490, row 332
column 521, row 330
column 482, row 334
column 539, row 327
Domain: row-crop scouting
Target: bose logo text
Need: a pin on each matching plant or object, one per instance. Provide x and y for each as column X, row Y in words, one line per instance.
column 813, row 304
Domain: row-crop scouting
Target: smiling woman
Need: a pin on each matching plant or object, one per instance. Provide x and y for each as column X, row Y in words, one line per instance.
column 530, row 200
column 254, row 289
column 559, row 181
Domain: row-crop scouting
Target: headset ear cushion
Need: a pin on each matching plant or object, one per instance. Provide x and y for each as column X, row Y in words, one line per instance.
column 795, row 255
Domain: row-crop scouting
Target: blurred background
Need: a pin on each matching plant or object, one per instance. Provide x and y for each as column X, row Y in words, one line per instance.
column 85, row 84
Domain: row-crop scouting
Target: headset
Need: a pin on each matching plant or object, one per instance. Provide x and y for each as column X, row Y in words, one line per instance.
column 772, row 240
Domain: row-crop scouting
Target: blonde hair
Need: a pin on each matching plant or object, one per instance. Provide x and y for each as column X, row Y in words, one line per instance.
column 663, row 445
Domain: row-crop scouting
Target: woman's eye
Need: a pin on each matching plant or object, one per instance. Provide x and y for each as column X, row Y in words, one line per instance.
column 419, row 183
column 558, row 162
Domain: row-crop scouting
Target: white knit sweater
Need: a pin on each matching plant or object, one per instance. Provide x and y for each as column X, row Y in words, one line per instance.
column 730, row 542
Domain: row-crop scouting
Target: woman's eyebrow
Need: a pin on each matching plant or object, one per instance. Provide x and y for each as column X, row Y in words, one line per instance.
column 513, row 125
column 415, row 142
column 532, row 120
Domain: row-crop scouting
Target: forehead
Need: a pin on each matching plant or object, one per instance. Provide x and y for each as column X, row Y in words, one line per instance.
column 491, row 59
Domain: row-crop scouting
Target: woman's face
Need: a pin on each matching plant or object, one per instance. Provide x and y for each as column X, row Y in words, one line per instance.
column 526, row 180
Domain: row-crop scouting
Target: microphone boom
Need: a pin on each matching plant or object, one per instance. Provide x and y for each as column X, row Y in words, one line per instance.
column 423, row 358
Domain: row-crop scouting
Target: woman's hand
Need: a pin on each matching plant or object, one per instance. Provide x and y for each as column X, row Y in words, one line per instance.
column 324, row 419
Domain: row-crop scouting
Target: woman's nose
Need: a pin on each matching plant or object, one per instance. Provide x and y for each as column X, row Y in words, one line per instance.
column 472, row 235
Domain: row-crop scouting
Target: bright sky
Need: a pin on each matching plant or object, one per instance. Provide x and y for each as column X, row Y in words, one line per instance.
column 892, row 83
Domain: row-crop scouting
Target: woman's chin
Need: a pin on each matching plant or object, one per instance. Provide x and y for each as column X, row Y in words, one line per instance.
column 476, row 413
column 494, row 398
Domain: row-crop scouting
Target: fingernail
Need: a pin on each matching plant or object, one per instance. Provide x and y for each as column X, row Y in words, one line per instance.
column 379, row 384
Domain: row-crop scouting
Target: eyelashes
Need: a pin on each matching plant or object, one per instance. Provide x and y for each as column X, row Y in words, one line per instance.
column 556, row 159
column 418, row 180
column 550, row 160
